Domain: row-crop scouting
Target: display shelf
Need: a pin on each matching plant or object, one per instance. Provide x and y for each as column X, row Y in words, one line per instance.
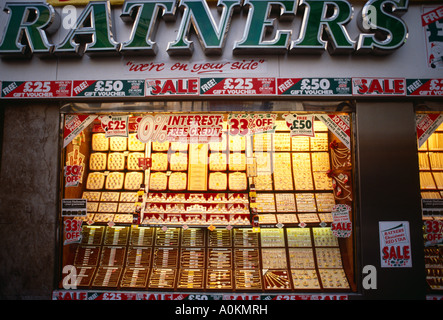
column 274, row 259
column 195, row 232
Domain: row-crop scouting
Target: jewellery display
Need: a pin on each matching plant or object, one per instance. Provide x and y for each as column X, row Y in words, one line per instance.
column 92, row 235
column 107, row 277
column 319, row 142
column 160, row 146
column 114, row 181
column 300, row 143
column 282, row 171
column 112, row 256
column 323, row 237
column 87, row 255
column 272, row 237
column 217, row 162
column 191, row 279
column 305, row 279
column 107, row 207
column 159, row 161
column 133, row 159
column 95, row 181
column 218, row 181
column 162, row 278
column 276, row 280
column 247, row 279
column 430, row 157
column 127, row 207
column 100, row 142
column 98, row 161
column 134, row 277
column 299, row 237
column 109, row 196
column 219, row 279
column 285, row 202
column 333, row 279
column 237, row 161
column 91, row 195
column 262, row 142
column 301, row 258
column 116, row 161
column 177, row 181
column 116, row 236
column 249, row 213
column 118, row 143
column 92, row 206
column 134, row 144
column 435, row 141
column 103, row 217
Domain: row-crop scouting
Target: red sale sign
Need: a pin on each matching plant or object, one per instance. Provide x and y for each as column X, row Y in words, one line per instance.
column 395, row 244
column 379, row 86
column 72, row 231
column 162, row 87
column 73, row 174
column 433, row 232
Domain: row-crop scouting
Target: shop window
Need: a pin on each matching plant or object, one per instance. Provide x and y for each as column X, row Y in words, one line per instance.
column 430, row 159
column 250, row 209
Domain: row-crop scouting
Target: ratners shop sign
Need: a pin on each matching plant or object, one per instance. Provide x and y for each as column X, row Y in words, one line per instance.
column 324, row 27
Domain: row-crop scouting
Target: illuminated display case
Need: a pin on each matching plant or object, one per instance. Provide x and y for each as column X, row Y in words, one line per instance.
column 430, row 158
column 240, row 211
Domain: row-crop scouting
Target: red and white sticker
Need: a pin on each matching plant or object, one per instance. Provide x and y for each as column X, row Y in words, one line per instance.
column 36, row 89
column 379, row 86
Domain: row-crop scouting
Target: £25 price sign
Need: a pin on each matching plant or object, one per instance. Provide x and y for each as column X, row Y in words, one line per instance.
column 115, row 126
column 36, row 89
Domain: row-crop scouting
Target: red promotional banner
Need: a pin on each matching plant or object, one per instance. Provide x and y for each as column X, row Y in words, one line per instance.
column 426, row 124
column 379, row 86
column 36, row 89
column 74, row 125
column 432, row 16
column 425, row 87
column 238, row 86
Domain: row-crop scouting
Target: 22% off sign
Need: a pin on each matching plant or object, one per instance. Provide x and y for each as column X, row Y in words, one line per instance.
column 73, row 174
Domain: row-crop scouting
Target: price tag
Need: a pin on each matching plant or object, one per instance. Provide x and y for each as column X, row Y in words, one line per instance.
column 314, row 86
column 72, row 231
column 115, row 126
column 300, row 125
column 73, row 174
column 237, row 86
column 109, row 88
column 36, row 89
